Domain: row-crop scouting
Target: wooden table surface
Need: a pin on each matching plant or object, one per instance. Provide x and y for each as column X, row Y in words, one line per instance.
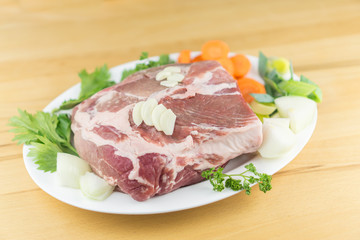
column 43, row 45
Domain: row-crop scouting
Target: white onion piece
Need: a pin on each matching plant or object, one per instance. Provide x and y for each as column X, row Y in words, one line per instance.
column 136, row 114
column 158, row 110
column 94, row 187
column 282, row 122
column 167, row 122
column 147, row 109
column 277, row 140
column 300, row 110
column 69, row 169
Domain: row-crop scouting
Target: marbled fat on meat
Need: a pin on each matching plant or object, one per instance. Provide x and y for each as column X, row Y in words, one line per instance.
column 214, row 124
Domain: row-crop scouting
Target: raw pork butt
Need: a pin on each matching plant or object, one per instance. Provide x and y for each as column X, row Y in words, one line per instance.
column 214, row 124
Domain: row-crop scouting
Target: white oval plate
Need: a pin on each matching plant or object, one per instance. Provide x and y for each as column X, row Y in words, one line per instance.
column 184, row 198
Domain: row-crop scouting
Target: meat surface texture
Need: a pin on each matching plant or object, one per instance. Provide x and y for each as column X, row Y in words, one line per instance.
column 214, row 124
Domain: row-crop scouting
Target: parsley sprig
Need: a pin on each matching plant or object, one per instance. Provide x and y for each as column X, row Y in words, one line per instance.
column 220, row 180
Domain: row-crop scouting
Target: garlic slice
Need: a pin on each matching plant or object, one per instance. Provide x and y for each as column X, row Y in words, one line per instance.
column 136, row 114
column 168, row 83
column 162, row 75
column 177, row 77
column 158, row 110
column 172, row 69
column 147, row 109
column 167, row 122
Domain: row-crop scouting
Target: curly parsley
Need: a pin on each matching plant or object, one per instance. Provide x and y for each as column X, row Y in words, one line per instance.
column 220, row 180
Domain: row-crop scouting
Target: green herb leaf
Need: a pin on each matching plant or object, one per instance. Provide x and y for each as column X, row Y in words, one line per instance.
column 251, row 167
column 47, row 133
column 220, row 180
column 144, row 55
column 63, row 128
column 44, row 154
column 91, row 83
column 69, row 104
column 24, row 128
column 262, row 98
column 163, row 60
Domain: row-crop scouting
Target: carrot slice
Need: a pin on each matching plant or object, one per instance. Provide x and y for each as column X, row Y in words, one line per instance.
column 214, row 49
column 227, row 64
column 197, row 59
column 242, row 65
column 184, row 56
column 249, row 85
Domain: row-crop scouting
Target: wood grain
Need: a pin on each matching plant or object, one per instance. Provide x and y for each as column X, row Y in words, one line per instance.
column 43, row 45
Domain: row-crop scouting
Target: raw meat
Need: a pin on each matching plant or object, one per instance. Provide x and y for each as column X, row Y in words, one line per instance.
column 214, row 124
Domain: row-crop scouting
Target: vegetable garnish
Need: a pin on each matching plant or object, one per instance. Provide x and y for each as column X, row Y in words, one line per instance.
column 242, row 65
column 278, row 139
column 163, row 60
column 248, row 86
column 217, row 178
column 47, row 133
column 94, row 187
column 279, row 80
column 262, row 98
column 214, row 49
column 69, row 169
column 197, row 59
column 237, row 66
column 184, row 56
column 91, row 83
column 227, row 64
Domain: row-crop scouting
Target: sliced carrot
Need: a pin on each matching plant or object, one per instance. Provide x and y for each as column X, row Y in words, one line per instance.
column 247, row 86
column 214, row 49
column 184, row 56
column 197, row 59
column 227, row 64
column 242, row 65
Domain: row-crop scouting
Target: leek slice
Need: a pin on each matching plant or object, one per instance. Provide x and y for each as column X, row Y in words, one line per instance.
column 263, row 109
column 297, row 88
